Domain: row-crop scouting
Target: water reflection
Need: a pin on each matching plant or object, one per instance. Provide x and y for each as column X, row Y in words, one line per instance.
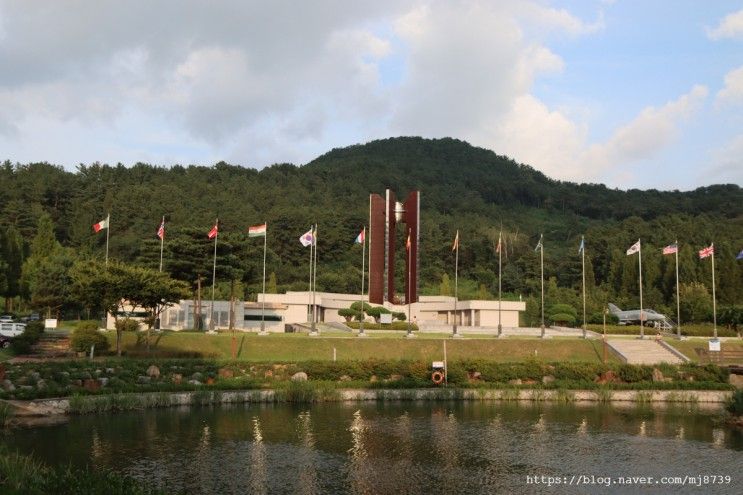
column 257, row 468
column 406, row 447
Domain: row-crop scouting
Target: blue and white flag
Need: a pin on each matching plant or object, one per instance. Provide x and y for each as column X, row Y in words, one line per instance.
column 634, row 248
column 582, row 246
column 740, row 255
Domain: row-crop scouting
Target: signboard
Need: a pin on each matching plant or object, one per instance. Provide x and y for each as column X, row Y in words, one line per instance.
column 437, row 365
column 50, row 323
column 385, row 318
column 714, row 345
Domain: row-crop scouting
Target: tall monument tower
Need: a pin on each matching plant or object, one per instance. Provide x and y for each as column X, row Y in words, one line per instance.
column 384, row 215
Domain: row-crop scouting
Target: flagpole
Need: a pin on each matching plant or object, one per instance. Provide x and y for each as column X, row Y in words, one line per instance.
column 456, row 283
column 309, row 292
column 363, row 260
column 214, row 277
column 639, row 261
column 500, row 256
column 108, row 229
column 678, row 300
column 714, row 299
column 314, row 284
column 541, row 258
column 410, row 283
column 162, row 242
column 583, row 263
column 263, row 307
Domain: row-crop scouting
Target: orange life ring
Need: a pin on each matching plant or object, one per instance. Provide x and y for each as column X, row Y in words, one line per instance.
column 437, row 377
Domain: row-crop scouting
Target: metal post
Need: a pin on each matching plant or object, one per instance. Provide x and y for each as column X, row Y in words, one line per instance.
column 309, row 293
column 363, row 261
column 714, row 299
column 314, row 284
column 108, row 229
column 162, row 243
column 410, row 287
column 500, row 258
column 456, row 284
column 214, row 278
column 639, row 260
column 263, row 307
column 678, row 300
column 541, row 258
column 583, row 263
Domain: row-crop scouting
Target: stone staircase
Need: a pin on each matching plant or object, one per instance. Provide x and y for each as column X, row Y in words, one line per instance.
column 52, row 345
column 644, row 351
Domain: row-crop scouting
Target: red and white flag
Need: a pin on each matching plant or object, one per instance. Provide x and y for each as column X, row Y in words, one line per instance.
column 103, row 224
column 257, row 231
column 454, row 246
column 360, row 238
column 498, row 248
column 161, row 230
column 407, row 243
column 214, row 232
column 706, row 252
column 671, row 249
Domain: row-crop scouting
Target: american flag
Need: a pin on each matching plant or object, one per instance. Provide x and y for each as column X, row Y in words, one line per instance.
column 671, row 248
column 161, row 230
column 215, row 230
column 708, row 251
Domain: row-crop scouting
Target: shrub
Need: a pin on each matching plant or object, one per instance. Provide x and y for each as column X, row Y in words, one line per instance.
column 563, row 318
column 633, row 373
column 87, row 335
column 399, row 316
column 735, row 404
column 127, row 325
column 23, row 343
column 598, row 319
column 349, row 314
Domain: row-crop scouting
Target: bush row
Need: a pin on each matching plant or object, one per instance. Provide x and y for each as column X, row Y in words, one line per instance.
column 55, row 379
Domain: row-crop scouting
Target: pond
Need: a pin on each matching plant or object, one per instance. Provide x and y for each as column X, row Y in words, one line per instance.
column 405, row 447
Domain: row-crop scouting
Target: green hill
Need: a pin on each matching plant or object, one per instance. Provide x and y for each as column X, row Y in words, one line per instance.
column 463, row 187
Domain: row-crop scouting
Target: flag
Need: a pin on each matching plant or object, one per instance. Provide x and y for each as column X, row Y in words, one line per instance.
column 671, row 248
column 740, row 255
column 307, row 238
column 360, row 238
column 161, row 230
column 634, row 248
column 454, row 247
column 215, row 230
column 539, row 244
column 497, row 248
column 103, row 224
column 582, row 246
column 407, row 243
column 708, row 251
column 257, row 231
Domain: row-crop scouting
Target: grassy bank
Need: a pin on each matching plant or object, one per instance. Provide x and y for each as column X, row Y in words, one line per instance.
column 688, row 347
column 24, row 475
column 296, row 347
column 690, row 330
column 122, row 376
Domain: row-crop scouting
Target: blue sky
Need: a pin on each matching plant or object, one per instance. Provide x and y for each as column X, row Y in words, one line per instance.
column 645, row 94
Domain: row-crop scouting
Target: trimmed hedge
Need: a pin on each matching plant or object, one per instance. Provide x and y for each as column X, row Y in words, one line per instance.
column 23, row 343
column 115, row 376
column 86, row 335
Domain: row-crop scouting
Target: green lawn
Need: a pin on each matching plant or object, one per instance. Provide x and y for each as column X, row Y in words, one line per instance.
column 686, row 347
column 300, row 347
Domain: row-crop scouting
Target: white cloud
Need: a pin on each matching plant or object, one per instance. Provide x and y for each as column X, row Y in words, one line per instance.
column 732, row 93
column 730, row 27
column 728, row 164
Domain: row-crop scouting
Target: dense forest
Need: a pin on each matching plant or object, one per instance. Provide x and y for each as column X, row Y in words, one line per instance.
column 462, row 187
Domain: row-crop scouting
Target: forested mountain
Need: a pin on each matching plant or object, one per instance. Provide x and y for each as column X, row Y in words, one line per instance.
column 463, row 187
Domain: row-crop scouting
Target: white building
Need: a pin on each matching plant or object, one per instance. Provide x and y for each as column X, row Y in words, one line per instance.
column 295, row 307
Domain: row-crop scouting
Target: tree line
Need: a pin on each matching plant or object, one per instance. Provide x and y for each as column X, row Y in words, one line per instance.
column 482, row 194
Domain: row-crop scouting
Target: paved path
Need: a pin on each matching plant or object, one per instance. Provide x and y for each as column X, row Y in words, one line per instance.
column 645, row 351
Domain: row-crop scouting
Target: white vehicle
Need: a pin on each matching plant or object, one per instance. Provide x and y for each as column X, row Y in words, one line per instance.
column 6, row 319
column 11, row 329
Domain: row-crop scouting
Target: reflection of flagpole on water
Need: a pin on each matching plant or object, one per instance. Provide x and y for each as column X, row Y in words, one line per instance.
column 258, row 467
column 362, row 476
column 305, row 460
column 444, row 430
